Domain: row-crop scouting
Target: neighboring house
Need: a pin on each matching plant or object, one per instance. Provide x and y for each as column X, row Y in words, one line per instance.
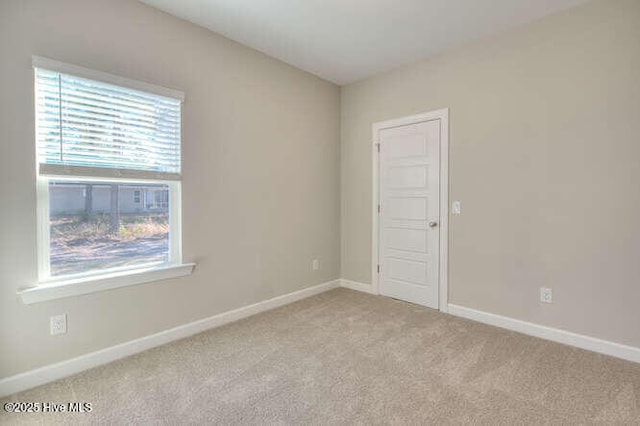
column 71, row 198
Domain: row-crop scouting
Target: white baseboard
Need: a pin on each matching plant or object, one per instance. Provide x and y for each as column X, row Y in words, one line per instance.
column 354, row 285
column 49, row 373
column 605, row 347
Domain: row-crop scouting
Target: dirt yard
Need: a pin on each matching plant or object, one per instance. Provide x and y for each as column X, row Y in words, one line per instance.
column 79, row 244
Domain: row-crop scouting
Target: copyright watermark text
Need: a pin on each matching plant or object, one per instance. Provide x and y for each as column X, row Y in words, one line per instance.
column 47, row 407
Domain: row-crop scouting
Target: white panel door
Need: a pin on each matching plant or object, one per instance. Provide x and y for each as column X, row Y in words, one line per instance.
column 409, row 212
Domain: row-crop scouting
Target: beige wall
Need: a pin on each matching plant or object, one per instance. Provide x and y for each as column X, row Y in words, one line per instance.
column 261, row 147
column 545, row 157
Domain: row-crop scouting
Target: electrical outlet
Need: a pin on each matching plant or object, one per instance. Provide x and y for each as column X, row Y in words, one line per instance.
column 58, row 324
column 315, row 265
column 546, row 295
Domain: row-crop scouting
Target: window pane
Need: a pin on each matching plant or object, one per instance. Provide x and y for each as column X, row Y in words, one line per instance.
column 82, row 122
column 96, row 226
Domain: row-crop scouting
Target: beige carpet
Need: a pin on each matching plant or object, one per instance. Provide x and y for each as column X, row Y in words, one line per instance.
column 349, row 358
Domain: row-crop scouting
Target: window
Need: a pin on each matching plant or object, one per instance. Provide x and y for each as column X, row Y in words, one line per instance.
column 161, row 198
column 108, row 159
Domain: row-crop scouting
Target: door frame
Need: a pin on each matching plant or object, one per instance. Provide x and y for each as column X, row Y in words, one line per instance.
column 443, row 267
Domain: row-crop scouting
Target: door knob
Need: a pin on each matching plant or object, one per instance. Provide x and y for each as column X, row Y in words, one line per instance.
column 433, row 224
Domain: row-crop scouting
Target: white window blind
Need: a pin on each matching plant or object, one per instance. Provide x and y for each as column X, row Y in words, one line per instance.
column 95, row 128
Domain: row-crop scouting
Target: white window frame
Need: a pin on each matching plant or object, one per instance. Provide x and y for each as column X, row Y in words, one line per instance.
column 44, row 243
column 49, row 287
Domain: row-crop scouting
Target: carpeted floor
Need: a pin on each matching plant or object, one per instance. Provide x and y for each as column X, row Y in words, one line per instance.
column 345, row 357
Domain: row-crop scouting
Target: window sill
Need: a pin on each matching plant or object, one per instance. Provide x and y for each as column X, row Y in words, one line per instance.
column 76, row 287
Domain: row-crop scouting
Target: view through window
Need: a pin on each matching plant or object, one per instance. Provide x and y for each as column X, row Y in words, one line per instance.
column 95, row 226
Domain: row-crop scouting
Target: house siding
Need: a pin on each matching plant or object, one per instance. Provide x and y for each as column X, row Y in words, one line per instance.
column 70, row 200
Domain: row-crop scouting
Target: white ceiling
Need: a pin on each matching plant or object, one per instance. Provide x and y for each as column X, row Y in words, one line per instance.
column 347, row 40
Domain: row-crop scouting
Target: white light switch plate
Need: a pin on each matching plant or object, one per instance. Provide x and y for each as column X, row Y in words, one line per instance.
column 456, row 207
